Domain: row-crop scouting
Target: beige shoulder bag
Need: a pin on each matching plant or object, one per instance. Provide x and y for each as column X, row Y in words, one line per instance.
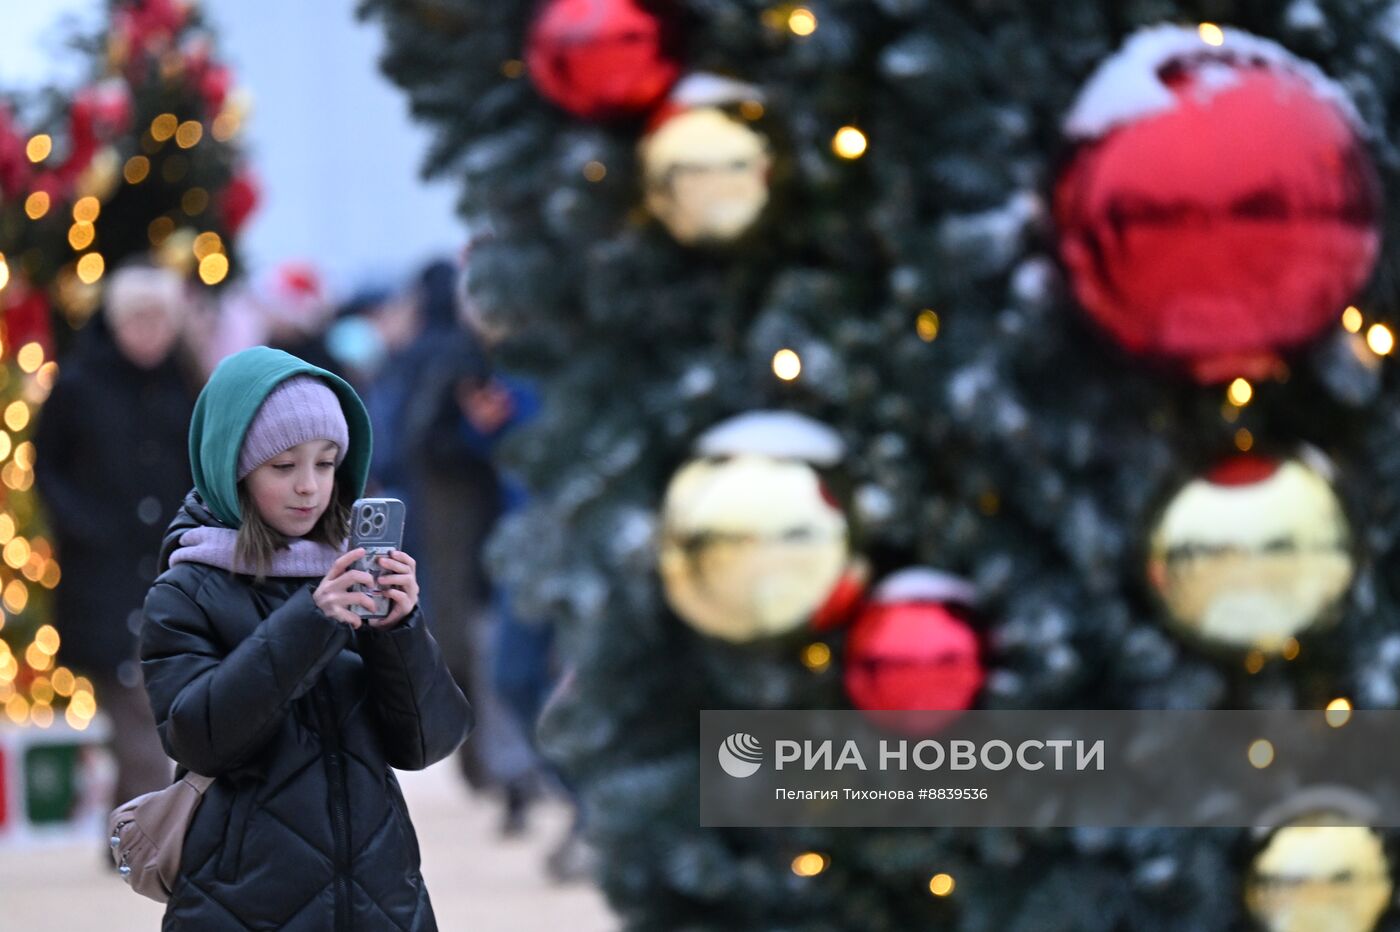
column 148, row 835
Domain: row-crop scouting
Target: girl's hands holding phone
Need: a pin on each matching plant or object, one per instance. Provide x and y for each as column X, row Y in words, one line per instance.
column 399, row 585
column 333, row 596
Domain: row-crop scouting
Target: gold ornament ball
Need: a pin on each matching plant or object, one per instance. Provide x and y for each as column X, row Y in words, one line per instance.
column 1319, row 878
column 1252, row 555
column 706, row 175
column 750, row 545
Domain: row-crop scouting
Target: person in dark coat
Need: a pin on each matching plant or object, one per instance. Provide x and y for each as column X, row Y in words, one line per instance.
column 261, row 676
column 110, row 468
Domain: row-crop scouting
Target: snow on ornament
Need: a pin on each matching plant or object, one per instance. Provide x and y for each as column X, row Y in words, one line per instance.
column 705, row 175
column 1221, row 207
column 785, row 434
column 1320, row 872
column 1253, row 553
column 601, row 59
column 750, row 545
column 912, row 649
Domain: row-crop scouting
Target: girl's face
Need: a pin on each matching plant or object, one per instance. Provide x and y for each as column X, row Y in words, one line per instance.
column 292, row 490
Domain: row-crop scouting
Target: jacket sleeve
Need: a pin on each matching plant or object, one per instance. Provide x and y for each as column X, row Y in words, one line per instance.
column 214, row 710
column 72, row 514
column 421, row 714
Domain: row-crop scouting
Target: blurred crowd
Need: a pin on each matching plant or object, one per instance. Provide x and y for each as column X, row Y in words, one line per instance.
column 112, row 468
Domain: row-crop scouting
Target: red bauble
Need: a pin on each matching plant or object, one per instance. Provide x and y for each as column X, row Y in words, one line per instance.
column 238, row 201
column 845, row 599
column 909, row 655
column 148, row 25
column 600, row 59
column 14, row 164
column 1231, row 221
column 27, row 319
column 99, row 113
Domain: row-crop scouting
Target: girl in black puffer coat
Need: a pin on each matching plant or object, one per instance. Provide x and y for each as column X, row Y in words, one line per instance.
column 260, row 675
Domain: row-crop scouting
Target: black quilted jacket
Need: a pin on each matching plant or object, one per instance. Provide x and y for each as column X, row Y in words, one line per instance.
column 300, row 719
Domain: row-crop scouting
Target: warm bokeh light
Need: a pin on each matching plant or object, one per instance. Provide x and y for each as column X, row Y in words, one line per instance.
column 47, row 640
column 30, row 356
column 194, row 202
column 87, row 209
column 4, row 272
column 213, row 268
column 32, row 654
column 941, row 884
column 90, row 269
column 1211, row 34
column 1244, row 440
column 17, row 415
column 849, row 143
column 206, row 244
column 39, row 147
column 1261, row 753
column 816, row 657
column 1291, row 647
column 1380, row 339
column 17, row 552
column 1254, row 661
column 159, row 229
column 36, row 205
column 787, row 365
column 595, row 171
column 802, row 21
column 189, row 133
column 927, row 325
column 512, row 68
column 81, row 235
column 1351, row 320
column 810, row 864
column 1338, row 712
column 164, row 126
column 1240, row 393
column 63, row 682
column 751, row 110
column 136, row 170
column 42, row 715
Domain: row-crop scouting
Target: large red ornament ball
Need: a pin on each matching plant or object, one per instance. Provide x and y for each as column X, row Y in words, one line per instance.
column 1222, row 206
column 601, row 59
column 911, row 650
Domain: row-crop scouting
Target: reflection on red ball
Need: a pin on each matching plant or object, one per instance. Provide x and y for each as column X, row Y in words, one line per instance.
column 1234, row 225
column 600, row 59
column 912, row 655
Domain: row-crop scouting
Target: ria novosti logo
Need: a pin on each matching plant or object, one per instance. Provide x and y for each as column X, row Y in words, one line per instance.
column 740, row 755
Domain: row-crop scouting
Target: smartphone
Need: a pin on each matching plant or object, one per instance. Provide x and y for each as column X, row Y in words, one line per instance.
column 376, row 524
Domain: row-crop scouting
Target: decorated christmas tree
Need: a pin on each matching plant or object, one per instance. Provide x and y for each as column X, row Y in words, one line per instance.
column 143, row 157
column 1084, row 306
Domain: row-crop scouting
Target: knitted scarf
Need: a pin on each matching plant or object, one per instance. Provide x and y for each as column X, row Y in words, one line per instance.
column 214, row 546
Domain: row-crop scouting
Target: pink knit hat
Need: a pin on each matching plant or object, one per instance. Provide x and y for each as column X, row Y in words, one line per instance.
column 300, row 409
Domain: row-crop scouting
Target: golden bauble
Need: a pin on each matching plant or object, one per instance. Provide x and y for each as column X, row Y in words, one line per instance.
column 750, row 545
column 706, row 175
column 1252, row 555
column 1313, row 877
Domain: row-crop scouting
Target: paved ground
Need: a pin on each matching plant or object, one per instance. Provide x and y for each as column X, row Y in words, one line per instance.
column 478, row 881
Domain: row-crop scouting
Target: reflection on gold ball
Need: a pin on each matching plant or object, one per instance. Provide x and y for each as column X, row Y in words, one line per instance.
column 1252, row 555
column 751, row 545
column 1319, row 878
column 706, row 175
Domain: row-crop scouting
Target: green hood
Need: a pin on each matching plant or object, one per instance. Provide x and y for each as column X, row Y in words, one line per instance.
column 226, row 409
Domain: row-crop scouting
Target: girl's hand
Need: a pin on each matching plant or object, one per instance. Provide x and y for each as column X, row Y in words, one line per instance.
column 400, row 585
column 333, row 596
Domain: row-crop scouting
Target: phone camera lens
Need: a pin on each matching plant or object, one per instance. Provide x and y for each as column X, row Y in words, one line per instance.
column 378, row 521
column 366, row 511
column 364, row 527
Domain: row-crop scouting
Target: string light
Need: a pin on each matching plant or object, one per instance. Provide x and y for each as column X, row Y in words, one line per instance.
column 1211, row 34
column 816, row 657
column 164, row 126
column 751, row 110
column 87, row 209
column 1244, row 440
column 1290, row 649
column 17, row 415
column 63, row 682
column 47, row 639
column 849, row 143
column 1338, row 712
column 136, row 169
column 39, row 147
column 512, row 68
column 1254, row 661
column 787, row 365
column 81, row 235
column 927, row 325
column 1351, row 320
column 188, row 135
column 32, row 654
column 17, row 552
column 810, row 864
column 1240, row 393
column 1380, row 339
column 4, row 272
column 595, row 171
column 206, row 244
column 802, row 21
column 90, row 269
column 1261, row 753
column 213, row 268
column 42, row 715
column 194, row 202
column 36, row 205
column 941, row 884
column 30, row 357
column 159, row 229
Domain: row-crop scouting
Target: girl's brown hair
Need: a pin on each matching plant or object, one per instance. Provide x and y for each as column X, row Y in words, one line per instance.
column 258, row 541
